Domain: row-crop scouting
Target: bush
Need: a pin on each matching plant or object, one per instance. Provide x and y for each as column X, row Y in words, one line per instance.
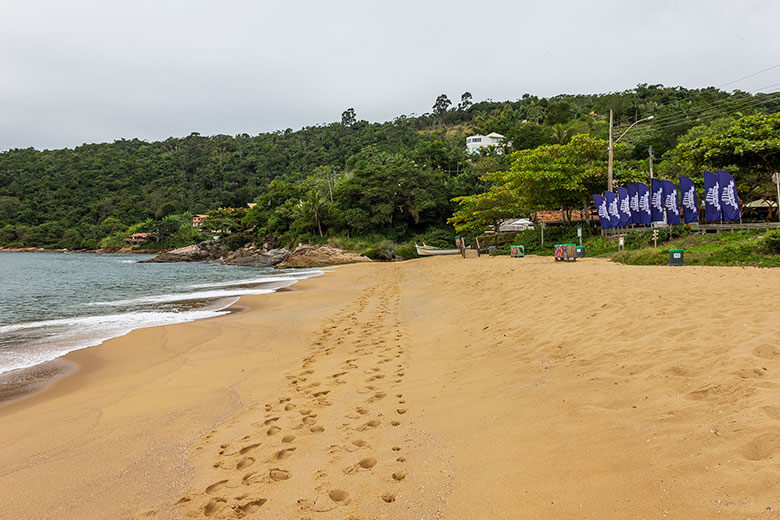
column 384, row 250
column 407, row 251
column 648, row 256
column 771, row 242
column 437, row 238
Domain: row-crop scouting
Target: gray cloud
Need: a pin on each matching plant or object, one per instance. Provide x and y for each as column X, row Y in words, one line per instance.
column 88, row 71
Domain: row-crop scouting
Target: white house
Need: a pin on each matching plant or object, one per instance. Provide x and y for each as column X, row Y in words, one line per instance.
column 475, row 142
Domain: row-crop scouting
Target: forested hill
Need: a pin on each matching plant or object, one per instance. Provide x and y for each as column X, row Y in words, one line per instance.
column 394, row 178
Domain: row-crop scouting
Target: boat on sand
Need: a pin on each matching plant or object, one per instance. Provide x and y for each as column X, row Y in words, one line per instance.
column 425, row 250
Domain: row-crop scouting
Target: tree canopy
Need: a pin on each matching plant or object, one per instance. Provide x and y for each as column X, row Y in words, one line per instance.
column 396, row 178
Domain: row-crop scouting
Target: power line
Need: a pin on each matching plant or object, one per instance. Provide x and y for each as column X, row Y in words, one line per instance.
column 750, row 75
column 715, row 108
column 713, row 111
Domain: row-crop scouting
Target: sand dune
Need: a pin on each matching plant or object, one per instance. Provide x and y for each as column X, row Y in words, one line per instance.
column 437, row 388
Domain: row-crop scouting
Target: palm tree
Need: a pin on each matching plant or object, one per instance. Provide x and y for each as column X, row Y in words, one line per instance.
column 561, row 134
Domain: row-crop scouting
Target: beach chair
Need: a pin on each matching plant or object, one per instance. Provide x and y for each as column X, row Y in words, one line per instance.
column 517, row 251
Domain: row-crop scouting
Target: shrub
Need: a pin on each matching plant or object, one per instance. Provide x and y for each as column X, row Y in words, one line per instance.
column 771, row 242
column 648, row 256
column 437, row 238
column 407, row 251
column 384, row 250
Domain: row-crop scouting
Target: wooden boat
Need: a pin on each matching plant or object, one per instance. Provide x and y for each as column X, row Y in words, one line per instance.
column 424, row 250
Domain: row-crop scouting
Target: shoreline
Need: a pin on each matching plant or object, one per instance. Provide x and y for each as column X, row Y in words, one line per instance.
column 83, row 251
column 405, row 390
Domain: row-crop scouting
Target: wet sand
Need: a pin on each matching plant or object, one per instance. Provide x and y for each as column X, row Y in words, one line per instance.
column 436, row 388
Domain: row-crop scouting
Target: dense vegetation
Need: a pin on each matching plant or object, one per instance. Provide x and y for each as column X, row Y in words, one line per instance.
column 353, row 178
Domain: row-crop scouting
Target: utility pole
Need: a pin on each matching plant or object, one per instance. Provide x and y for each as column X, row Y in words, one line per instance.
column 609, row 167
column 650, row 151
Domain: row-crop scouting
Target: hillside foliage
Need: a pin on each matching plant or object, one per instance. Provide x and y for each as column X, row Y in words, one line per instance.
column 352, row 178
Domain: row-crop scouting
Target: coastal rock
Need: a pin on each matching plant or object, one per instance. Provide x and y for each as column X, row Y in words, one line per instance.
column 320, row 256
column 250, row 256
column 194, row 253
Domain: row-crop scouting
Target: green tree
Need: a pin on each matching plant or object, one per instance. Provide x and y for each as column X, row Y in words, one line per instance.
column 465, row 101
column 441, row 105
column 563, row 176
column 477, row 213
column 749, row 148
column 348, row 117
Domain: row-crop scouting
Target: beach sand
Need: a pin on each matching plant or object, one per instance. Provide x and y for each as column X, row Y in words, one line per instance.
column 485, row 388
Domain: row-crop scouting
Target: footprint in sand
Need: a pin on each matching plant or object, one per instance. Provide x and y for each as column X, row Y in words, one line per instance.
column 399, row 475
column 273, row 430
column 283, row 454
column 373, row 423
column 762, row 447
column 249, row 505
column 213, row 488
column 767, row 351
column 213, row 506
column 388, row 497
column 277, row 474
column 251, row 478
column 247, row 449
column 362, row 465
column 245, row 462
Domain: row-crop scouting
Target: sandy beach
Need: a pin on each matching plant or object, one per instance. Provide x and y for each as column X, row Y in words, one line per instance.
column 486, row 388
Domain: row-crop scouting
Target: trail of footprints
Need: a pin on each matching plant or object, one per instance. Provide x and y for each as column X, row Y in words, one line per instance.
column 358, row 361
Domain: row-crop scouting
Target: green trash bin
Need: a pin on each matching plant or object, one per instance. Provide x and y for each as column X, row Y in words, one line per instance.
column 580, row 251
column 676, row 257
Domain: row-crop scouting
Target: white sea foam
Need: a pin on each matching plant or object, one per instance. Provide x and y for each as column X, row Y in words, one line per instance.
column 292, row 276
column 197, row 295
column 49, row 339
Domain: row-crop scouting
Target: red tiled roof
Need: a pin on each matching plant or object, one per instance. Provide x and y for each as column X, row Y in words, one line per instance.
column 555, row 216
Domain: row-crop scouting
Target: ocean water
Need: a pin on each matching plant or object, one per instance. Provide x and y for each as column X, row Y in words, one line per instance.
column 54, row 303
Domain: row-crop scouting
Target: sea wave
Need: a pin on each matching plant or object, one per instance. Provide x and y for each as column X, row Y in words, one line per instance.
column 196, row 295
column 49, row 339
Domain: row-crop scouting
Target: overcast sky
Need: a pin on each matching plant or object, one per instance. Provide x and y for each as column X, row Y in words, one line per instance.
column 77, row 71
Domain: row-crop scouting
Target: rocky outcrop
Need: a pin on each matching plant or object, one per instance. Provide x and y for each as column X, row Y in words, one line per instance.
column 193, row 253
column 320, row 256
column 251, row 256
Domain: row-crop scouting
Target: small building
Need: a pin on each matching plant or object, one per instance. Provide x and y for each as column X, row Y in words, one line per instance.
column 476, row 142
column 515, row 224
column 198, row 218
column 558, row 217
column 137, row 238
